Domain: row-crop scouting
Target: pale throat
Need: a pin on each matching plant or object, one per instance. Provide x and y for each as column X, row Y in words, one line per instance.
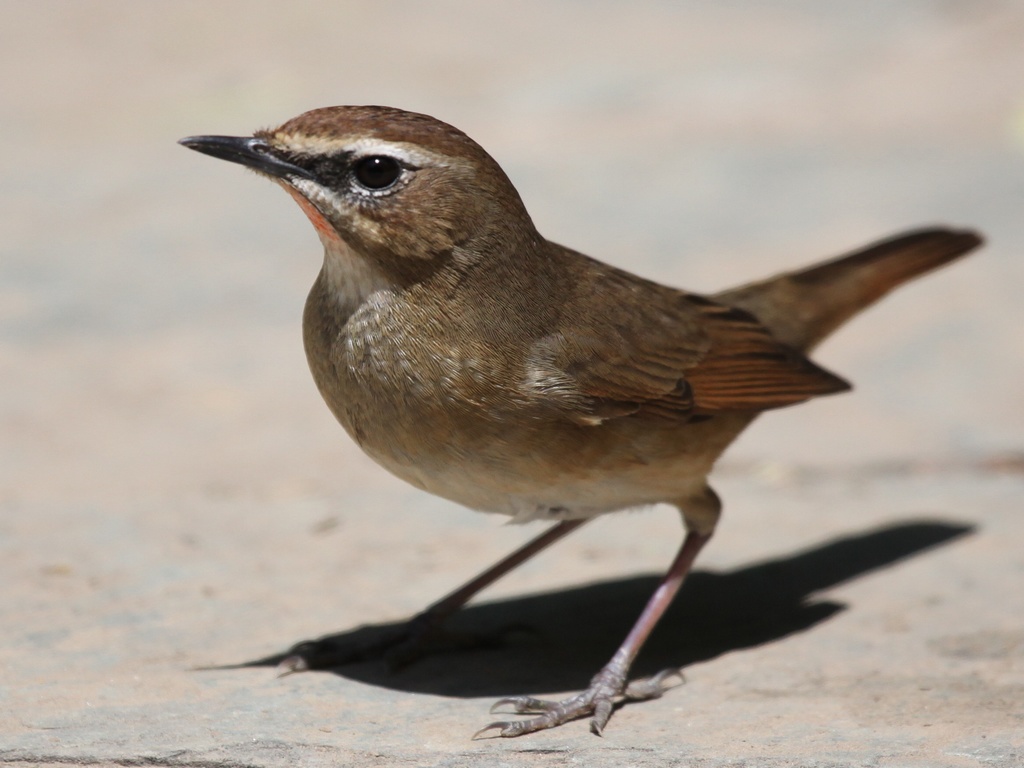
column 349, row 278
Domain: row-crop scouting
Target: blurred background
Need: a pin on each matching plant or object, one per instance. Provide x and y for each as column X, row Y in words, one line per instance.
column 150, row 299
column 173, row 492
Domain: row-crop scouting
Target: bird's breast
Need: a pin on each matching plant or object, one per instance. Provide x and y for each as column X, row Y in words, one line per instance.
column 440, row 411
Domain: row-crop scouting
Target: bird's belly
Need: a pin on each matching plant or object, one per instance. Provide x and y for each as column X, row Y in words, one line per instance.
column 564, row 472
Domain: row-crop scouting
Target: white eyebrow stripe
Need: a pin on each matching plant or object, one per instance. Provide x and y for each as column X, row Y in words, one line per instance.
column 360, row 147
column 402, row 152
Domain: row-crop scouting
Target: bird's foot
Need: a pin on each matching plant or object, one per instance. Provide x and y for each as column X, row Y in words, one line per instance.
column 396, row 646
column 607, row 689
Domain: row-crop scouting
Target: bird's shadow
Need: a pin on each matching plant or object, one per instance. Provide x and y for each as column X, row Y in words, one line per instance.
column 573, row 631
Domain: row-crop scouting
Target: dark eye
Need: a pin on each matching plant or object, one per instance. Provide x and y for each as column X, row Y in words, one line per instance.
column 377, row 171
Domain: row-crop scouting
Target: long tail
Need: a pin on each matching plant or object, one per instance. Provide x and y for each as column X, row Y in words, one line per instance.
column 801, row 308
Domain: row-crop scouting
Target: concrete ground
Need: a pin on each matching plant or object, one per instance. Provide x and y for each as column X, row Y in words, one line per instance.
column 173, row 494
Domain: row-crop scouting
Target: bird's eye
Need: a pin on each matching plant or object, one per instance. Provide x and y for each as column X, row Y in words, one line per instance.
column 377, row 171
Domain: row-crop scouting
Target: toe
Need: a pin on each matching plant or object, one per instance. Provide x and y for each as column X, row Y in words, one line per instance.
column 523, row 705
column 653, row 687
column 602, row 714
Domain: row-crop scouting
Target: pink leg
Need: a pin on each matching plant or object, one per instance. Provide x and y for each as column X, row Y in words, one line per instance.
column 610, row 683
column 447, row 605
column 407, row 644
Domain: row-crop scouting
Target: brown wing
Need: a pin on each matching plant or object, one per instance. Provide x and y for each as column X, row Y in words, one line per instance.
column 661, row 353
column 746, row 368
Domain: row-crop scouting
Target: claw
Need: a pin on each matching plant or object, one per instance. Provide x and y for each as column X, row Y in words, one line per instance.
column 499, row 726
column 498, row 705
column 289, row 665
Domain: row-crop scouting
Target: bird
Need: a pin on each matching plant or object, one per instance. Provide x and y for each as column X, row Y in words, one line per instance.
column 480, row 362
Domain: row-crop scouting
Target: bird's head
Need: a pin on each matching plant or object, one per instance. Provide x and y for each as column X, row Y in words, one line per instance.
column 398, row 189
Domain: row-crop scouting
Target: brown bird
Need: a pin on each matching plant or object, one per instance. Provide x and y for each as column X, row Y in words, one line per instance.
column 482, row 363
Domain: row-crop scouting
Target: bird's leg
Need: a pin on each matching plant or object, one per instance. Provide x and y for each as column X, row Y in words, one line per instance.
column 609, row 685
column 408, row 643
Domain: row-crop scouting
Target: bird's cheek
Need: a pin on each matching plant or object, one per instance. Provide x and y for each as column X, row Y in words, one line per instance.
column 322, row 225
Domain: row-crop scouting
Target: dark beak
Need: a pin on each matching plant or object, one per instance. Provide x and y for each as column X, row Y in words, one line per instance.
column 253, row 153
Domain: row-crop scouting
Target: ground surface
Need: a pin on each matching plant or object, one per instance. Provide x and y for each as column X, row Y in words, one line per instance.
column 173, row 494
